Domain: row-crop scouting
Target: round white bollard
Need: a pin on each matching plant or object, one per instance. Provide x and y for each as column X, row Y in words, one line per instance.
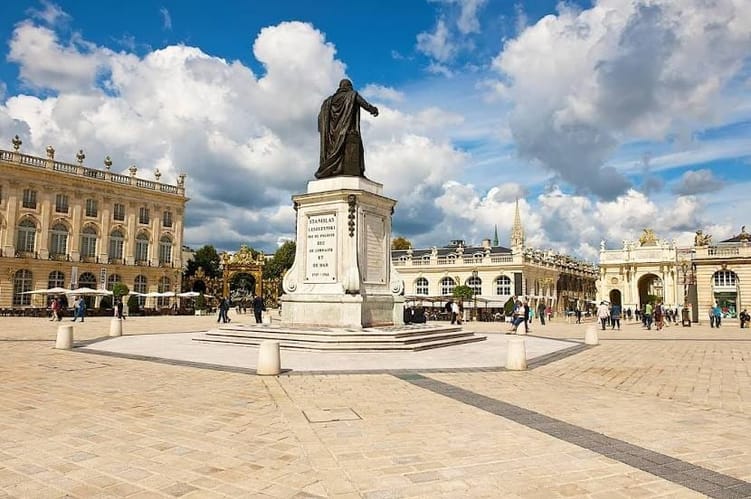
column 590, row 337
column 269, row 361
column 116, row 327
column 64, row 337
column 516, row 354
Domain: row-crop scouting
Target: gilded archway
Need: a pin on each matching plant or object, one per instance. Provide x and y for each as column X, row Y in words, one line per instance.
column 243, row 262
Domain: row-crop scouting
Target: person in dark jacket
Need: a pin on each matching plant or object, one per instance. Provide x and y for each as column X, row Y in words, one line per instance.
column 258, row 308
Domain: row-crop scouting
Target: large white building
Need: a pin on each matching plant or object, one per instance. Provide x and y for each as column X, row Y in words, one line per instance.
column 497, row 273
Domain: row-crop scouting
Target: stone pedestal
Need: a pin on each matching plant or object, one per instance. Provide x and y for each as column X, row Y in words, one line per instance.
column 116, row 327
column 590, row 336
column 343, row 275
column 269, row 359
column 64, row 340
column 516, row 354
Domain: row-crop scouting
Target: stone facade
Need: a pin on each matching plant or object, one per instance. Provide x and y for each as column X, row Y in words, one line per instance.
column 695, row 277
column 497, row 273
column 69, row 225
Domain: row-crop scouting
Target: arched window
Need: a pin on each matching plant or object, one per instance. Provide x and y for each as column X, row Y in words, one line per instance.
column 59, row 240
column 112, row 279
column 56, row 279
column 447, row 286
column 165, row 250
column 117, row 241
column 22, row 284
column 503, row 285
column 87, row 280
column 88, row 242
column 476, row 284
column 421, row 286
column 164, row 285
column 724, row 279
column 26, row 237
column 142, row 248
column 139, row 286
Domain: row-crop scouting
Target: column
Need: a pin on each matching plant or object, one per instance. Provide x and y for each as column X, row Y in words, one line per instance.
column 177, row 251
column 75, row 233
column 44, row 238
column 156, row 227
column 130, row 237
column 11, row 212
column 104, row 238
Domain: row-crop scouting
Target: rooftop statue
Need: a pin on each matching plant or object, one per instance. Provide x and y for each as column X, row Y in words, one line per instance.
column 339, row 126
column 702, row 239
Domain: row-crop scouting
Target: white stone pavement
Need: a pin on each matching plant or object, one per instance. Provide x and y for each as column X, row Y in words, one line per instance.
column 181, row 347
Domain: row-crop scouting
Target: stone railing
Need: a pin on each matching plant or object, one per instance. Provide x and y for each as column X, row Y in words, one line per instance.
column 91, row 173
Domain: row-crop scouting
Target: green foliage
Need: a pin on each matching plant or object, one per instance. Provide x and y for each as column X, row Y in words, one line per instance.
column 133, row 305
column 206, row 258
column 653, row 299
column 281, row 262
column 400, row 243
column 463, row 292
column 508, row 307
column 105, row 302
column 120, row 289
column 200, row 302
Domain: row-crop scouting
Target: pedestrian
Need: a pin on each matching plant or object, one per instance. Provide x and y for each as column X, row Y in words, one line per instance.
column 603, row 314
column 648, row 315
column 527, row 318
column 615, row 316
column 450, row 310
column 717, row 312
column 659, row 316
column 79, row 308
column 541, row 312
column 119, row 309
column 55, row 308
column 223, row 309
column 578, row 314
column 258, row 308
column 745, row 318
column 518, row 316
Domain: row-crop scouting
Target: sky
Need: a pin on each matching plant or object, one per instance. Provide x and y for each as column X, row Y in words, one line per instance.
column 601, row 117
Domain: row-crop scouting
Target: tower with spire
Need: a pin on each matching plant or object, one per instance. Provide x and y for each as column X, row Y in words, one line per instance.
column 517, row 232
column 495, row 237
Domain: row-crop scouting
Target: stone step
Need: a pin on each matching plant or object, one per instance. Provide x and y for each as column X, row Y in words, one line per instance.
column 347, row 346
column 331, row 338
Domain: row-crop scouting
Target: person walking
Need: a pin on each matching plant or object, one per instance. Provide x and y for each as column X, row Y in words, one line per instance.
column 615, row 316
column 258, row 308
column 119, row 310
column 541, row 312
column 659, row 315
column 603, row 314
column 79, row 309
column 717, row 313
column 648, row 316
column 55, row 308
column 745, row 318
column 527, row 318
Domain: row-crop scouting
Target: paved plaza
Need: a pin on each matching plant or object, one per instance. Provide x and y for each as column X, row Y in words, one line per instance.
column 154, row 414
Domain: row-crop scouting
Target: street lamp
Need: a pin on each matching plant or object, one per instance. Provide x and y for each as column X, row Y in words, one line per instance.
column 687, row 269
column 474, row 292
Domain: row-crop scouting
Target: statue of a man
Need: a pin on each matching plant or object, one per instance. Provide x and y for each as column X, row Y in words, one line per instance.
column 339, row 126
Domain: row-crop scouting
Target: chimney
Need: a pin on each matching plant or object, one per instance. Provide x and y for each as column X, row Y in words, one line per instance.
column 486, row 243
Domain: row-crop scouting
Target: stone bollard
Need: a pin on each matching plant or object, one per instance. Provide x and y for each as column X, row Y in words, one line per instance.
column 590, row 337
column 269, row 361
column 266, row 318
column 116, row 327
column 516, row 354
column 64, row 337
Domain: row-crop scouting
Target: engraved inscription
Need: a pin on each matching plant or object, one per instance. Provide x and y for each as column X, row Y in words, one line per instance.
column 320, row 261
column 375, row 252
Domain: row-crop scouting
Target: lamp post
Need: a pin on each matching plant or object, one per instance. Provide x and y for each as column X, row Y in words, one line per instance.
column 688, row 276
column 474, row 292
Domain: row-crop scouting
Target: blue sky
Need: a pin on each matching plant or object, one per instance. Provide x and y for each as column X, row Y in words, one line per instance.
column 602, row 117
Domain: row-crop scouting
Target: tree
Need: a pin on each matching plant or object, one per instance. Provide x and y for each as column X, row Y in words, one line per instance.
column 207, row 258
column 119, row 289
column 400, row 243
column 463, row 292
column 281, row 262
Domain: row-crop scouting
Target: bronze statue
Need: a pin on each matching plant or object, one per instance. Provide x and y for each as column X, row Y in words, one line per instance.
column 339, row 126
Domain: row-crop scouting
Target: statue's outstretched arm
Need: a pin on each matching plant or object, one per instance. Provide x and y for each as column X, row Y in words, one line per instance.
column 366, row 105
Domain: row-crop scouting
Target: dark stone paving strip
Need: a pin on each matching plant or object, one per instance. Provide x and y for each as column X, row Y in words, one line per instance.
column 703, row 480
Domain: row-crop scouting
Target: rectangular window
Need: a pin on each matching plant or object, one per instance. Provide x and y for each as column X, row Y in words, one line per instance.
column 143, row 216
column 91, row 208
column 167, row 219
column 88, row 246
column 116, row 248
column 29, row 198
column 119, row 212
column 61, row 203
column 142, row 250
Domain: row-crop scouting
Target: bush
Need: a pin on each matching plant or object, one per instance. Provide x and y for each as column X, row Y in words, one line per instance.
column 133, row 305
column 105, row 302
column 200, row 302
column 508, row 308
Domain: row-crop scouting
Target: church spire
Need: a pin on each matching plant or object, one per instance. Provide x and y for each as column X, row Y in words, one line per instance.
column 517, row 232
column 495, row 237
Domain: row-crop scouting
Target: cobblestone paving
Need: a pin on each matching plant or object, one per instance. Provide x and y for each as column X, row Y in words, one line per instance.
column 82, row 425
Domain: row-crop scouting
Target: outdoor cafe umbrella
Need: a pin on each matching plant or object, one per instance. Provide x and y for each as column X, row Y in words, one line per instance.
column 189, row 294
column 51, row 291
column 88, row 292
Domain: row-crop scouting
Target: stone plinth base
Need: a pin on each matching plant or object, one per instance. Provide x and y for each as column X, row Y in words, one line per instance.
column 347, row 311
column 269, row 359
column 64, row 340
column 590, row 336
